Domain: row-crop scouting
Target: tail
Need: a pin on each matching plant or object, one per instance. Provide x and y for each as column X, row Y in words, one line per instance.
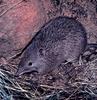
column 91, row 47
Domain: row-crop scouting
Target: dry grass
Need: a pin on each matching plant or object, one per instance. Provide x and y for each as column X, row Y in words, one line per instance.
column 75, row 84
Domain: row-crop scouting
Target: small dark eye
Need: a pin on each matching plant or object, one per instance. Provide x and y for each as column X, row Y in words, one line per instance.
column 30, row 63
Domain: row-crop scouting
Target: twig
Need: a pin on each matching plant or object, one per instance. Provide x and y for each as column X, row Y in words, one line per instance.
column 3, row 5
column 73, row 93
column 19, row 90
column 10, row 8
column 52, row 87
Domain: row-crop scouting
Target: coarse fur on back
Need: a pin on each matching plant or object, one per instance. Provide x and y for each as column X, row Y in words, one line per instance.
column 60, row 39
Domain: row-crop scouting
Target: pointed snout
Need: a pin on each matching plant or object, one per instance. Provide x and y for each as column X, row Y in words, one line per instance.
column 23, row 70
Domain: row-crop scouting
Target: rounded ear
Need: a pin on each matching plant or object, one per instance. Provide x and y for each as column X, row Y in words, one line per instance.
column 41, row 52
